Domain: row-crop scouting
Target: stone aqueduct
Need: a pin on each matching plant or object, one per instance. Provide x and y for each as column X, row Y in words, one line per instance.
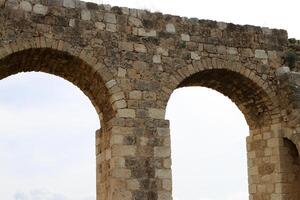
column 129, row 61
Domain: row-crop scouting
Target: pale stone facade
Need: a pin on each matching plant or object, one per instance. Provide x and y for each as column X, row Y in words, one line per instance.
column 128, row 62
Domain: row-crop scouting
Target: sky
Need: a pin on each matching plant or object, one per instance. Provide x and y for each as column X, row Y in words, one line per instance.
column 48, row 125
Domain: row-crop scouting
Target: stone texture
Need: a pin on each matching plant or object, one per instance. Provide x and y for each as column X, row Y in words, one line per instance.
column 128, row 62
column 26, row 6
column 69, row 3
column 170, row 28
column 85, row 15
column 40, row 9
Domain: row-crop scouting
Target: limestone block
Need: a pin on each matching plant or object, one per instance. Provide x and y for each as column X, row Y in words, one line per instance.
column 85, row 15
column 123, row 150
column 128, row 113
column 170, row 28
column 247, row 52
column 163, row 173
column 156, row 59
column 143, row 33
column 167, row 184
column 195, row 56
column 72, row 23
column 221, row 49
column 157, row 113
column 121, row 195
column 126, row 46
column 111, row 83
column 110, row 18
column 261, row 54
column 120, row 104
column 111, row 27
column 69, row 3
column 185, row 37
column 26, row 6
column 222, row 25
column 164, row 196
column 232, row 51
column 134, row 21
column 162, row 51
column 117, row 162
column 162, row 152
column 100, row 25
column 40, row 9
column 117, row 96
column 135, row 95
column 118, row 130
column 133, row 184
column 121, row 72
column 163, row 131
column 140, row 48
column 282, row 70
column 121, row 173
column 116, row 139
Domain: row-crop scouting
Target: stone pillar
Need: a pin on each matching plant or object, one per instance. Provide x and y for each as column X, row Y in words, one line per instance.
column 263, row 147
column 134, row 160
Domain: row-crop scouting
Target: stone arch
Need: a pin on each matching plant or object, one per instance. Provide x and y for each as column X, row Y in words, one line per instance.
column 76, row 65
column 251, row 93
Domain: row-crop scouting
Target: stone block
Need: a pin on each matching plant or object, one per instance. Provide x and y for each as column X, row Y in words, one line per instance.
column 143, row 33
column 261, row 54
column 195, row 56
column 127, row 113
column 40, row 9
column 110, row 18
column 136, row 94
column 157, row 113
column 69, row 3
column 170, row 28
column 85, row 15
column 123, row 150
column 26, row 6
column 163, row 173
column 162, row 152
column 100, row 25
column 156, row 59
column 185, row 37
column 140, row 48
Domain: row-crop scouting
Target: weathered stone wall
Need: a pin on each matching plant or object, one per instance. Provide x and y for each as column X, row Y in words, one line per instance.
column 128, row 62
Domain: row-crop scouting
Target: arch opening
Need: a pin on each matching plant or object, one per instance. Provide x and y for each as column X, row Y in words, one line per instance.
column 66, row 66
column 250, row 98
column 291, row 170
column 249, row 92
column 75, row 70
column 47, row 136
column 208, row 138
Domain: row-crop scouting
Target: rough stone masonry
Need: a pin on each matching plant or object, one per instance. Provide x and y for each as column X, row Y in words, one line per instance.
column 128, row 62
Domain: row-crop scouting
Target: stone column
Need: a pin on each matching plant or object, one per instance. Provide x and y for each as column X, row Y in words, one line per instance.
column 263, row 147
column 133, row 160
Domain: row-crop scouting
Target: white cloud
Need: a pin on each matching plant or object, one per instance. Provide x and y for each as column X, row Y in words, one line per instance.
column 39, row 194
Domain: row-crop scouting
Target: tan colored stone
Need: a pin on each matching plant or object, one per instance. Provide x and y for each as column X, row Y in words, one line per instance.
column 157, row 113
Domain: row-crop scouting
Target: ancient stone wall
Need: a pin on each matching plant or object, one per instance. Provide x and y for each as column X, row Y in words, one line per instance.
column 128, row 62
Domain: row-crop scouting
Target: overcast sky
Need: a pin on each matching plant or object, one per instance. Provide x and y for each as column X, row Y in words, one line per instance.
column 47, row 124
